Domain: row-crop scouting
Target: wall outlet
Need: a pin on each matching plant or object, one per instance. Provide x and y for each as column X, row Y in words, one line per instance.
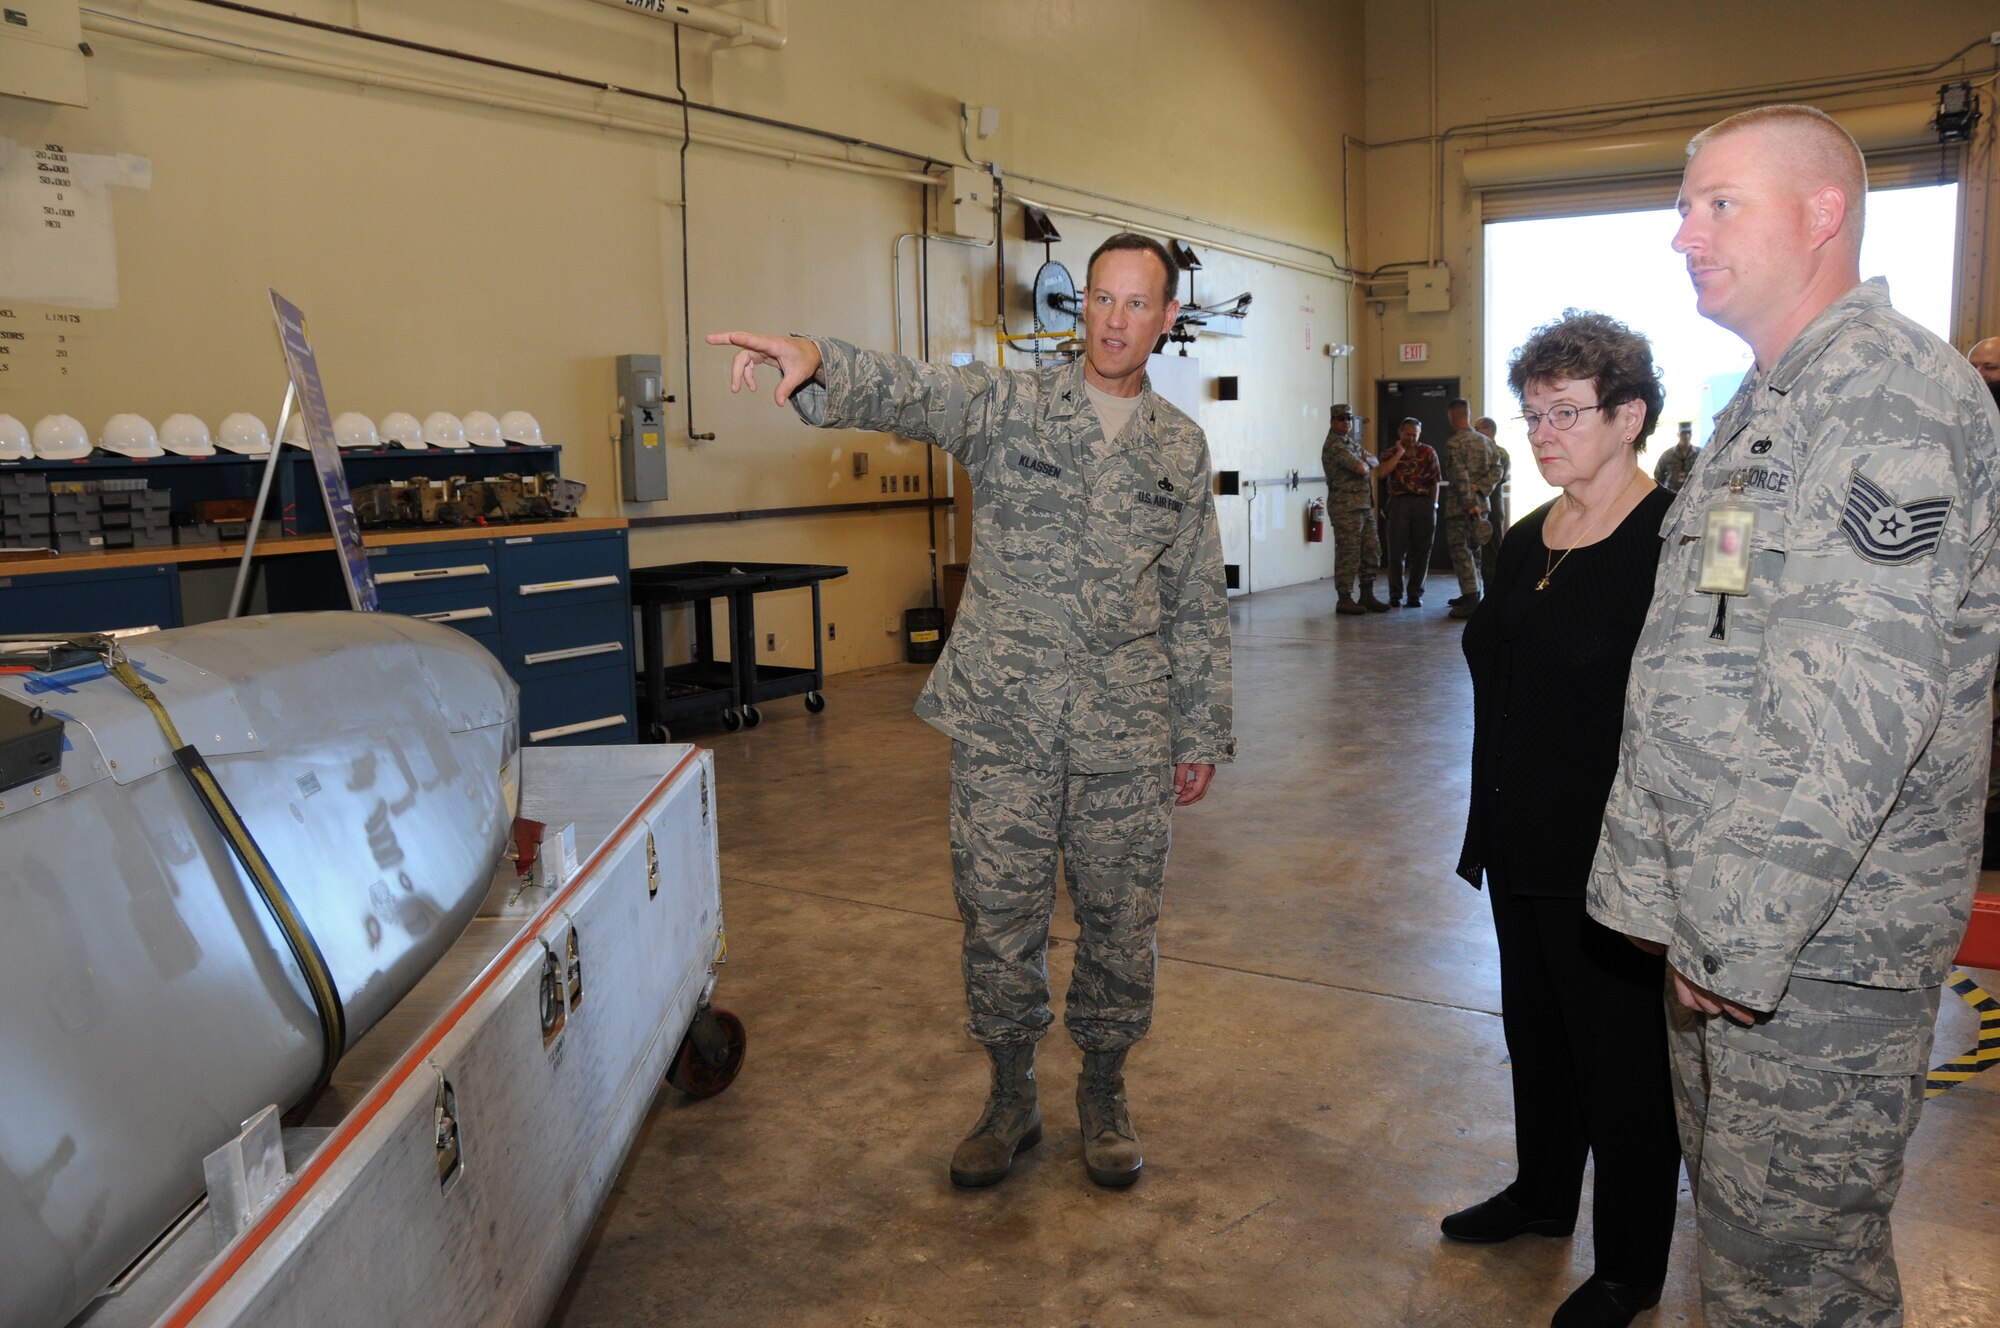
column 829, row 631
column 889, row 625
column 770, row 640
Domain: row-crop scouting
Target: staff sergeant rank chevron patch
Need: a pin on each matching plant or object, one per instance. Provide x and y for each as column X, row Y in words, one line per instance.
column 1883, row 530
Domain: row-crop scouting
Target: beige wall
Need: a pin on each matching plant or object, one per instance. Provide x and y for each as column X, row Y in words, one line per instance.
column 1492, row 61
column 458, row 256
column 463, row 256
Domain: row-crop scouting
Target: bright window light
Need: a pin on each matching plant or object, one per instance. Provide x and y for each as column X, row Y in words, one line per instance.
column 1622, row 264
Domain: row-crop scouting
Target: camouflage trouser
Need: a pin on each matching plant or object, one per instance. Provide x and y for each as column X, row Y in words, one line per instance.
column 1356, row 551
column 1464, row 553
column 1008, row 822
column 1794, row 1132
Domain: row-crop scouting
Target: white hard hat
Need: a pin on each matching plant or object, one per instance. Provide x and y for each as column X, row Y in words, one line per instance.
column 129, row 435
column 444, row 429
column 61, row 438
column 15, row 445
column 482, row 430
column 518, row 426
column 295, row 431
column 401, row 428
column 186, row 435
column 353, row 429
column 243, row 434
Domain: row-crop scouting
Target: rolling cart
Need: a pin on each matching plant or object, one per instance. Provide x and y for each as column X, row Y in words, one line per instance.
column 705, row 684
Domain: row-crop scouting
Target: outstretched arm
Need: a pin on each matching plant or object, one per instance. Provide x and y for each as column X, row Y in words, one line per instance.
column 797, row 361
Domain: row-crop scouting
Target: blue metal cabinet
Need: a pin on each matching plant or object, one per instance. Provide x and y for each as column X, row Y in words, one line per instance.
column 103, row 601
column 566, row 634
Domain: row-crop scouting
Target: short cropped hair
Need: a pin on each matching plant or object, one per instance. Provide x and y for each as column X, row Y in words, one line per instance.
column 1815, row 142
column 1486, row 424
column 1582, row 346
column 1458, row 403
column 1170, row 279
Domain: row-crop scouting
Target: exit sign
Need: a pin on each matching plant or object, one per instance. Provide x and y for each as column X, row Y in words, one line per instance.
column 1416, row 352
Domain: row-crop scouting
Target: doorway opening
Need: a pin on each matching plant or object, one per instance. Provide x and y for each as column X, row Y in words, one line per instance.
column 1622, row 264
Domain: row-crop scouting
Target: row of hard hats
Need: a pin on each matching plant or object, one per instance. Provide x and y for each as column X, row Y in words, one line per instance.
column 63, row 438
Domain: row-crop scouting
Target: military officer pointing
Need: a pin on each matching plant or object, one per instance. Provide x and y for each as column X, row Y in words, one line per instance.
column 1086, row 685
column 1350, row 508
column 1796, row 816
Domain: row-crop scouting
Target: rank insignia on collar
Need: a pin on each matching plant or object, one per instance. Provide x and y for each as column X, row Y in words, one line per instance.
column 1166, row 485
column 1883, row 530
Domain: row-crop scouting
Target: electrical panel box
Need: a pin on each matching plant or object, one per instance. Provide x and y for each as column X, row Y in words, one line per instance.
column 1430, row 290
column 642, row 427
column 962, row 203
column 40, row 55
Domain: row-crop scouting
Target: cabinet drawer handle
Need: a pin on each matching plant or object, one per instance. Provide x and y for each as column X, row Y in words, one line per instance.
column 550, row 587
column 574, row 652
column 585, row 726
column 432, row 574
column 455, row 615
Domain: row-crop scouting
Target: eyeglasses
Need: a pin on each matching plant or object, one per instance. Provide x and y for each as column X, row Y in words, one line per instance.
column 1563, row 417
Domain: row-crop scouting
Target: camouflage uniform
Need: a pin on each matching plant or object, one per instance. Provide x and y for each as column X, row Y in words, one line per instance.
column 1797, row 807
column 1675, row 467
column 1469, row 462
column 1350, row 509
column 1090, row 655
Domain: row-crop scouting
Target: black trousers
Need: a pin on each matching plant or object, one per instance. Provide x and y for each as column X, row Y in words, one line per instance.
column 1412, row 523
column 1581, row 1006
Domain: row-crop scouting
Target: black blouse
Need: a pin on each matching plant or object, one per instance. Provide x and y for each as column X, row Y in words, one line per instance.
column 1548, row 698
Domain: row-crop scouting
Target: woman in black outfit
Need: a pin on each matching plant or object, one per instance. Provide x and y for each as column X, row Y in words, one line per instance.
column 1549, row 648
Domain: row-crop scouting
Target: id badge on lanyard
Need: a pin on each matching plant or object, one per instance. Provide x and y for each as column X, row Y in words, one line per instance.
column 1725, row 544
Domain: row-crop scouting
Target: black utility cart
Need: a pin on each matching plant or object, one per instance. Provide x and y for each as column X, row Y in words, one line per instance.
column 705, row 684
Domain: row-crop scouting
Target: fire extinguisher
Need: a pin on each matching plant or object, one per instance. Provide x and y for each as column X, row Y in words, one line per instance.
column 1316, row 521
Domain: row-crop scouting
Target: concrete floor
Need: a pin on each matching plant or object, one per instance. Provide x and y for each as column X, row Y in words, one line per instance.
column 1324, row 1081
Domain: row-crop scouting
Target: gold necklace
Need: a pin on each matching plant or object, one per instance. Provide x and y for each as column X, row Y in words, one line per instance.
column 1551, row 563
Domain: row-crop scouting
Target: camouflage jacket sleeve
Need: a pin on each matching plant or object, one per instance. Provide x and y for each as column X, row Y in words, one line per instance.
column 961, row 410
column 1338, row 453
column 1194, row 617
column 1469, row 463
column 1848, row 688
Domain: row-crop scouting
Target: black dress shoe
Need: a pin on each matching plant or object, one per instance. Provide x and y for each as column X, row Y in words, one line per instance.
column 1500, row 1218
column 1416, row 601
column 1599, row 1303
column 1457, row 600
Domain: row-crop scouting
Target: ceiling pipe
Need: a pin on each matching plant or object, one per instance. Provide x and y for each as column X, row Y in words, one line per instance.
column 240, row 53
column 1664, row 151
column 688, row 14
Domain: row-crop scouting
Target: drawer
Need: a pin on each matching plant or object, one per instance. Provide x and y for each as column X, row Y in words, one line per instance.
column 548, row 568
column 478, row 620
column 589, row 707
column 404, row 577
column 565, row 637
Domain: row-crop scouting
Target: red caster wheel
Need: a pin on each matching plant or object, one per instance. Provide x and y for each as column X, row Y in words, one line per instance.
column 710, row 1055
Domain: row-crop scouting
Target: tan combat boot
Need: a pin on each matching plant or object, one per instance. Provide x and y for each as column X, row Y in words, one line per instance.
column 1011, row 1122
column 1110, row 1144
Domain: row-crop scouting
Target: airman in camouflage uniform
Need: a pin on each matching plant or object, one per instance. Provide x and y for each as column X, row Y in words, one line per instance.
column 1086, row 685
column 1472, row 468
column 1350, row 509
column 1797, row 809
